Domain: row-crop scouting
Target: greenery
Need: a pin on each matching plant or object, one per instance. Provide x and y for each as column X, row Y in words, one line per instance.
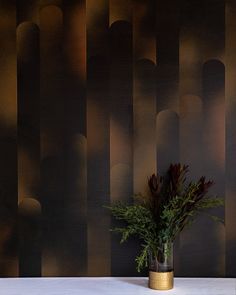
column 157, row 218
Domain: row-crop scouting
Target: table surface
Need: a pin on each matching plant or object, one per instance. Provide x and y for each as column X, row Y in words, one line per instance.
column 116, row 286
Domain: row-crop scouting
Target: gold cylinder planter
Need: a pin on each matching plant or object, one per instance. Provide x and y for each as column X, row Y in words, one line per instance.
column 161, row 280
column 161, row 267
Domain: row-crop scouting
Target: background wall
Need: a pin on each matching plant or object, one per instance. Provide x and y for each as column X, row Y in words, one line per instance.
column 95, row 96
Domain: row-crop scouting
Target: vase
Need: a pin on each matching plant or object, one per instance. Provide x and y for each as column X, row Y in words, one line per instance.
column 161, row 268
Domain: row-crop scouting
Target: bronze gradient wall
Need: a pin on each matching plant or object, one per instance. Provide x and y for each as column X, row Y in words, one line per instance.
column 96, row 95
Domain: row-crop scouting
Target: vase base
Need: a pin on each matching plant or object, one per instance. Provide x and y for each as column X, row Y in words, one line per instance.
column 161, row 280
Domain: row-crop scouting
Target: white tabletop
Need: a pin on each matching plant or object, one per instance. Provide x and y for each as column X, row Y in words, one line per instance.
column 116, row 286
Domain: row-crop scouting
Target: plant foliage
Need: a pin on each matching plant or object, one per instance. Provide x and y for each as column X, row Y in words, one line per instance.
column 157, row 218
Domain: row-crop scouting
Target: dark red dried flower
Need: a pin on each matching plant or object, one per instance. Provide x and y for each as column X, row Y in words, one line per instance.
column 154, row 183
column 176, row 174
column 203, row 188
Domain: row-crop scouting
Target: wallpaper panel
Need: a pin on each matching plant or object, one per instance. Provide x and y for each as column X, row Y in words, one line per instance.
column 121, row 131
column 230, row 144
column 95, row 97
column 8, row 140
column 28, row 90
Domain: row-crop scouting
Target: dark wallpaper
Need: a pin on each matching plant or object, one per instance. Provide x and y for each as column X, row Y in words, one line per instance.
column 96, row 96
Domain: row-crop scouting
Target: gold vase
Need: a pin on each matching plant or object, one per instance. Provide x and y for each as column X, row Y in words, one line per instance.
column 161, row 280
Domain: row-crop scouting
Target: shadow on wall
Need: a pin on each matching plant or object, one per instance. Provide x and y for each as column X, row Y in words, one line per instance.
column 8, row 203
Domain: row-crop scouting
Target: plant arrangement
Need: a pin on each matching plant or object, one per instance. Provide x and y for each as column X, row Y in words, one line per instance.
column 158, row 217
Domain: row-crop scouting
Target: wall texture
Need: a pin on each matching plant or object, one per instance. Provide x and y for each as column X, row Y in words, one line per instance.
column 95, row 96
